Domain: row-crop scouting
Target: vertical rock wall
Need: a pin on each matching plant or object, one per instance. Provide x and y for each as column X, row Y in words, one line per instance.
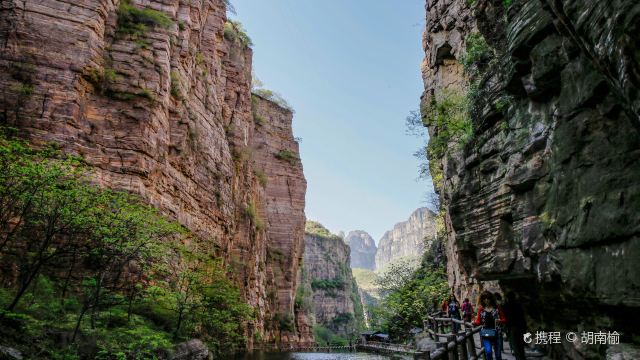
column 363, row 249
column 165, row 113
column 335, row 303
column 407, row 239
column 544, row 197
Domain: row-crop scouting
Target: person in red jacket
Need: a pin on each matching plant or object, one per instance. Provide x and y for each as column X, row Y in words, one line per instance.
column 489, row 317
column 467, row 310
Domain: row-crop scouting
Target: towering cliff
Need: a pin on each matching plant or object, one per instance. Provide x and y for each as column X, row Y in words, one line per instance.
column 155, row 96
column 541, row 195
column 335, row 303
column 363, row 249
column 407, row 238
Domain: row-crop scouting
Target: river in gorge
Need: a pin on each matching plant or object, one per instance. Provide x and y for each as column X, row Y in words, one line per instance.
column 319, row 356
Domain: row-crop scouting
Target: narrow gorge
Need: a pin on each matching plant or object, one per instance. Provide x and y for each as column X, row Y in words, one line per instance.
column 154, row 202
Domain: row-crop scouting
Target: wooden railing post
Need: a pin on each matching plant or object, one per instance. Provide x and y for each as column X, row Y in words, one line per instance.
column 471, row 346
column 462, row 347
column 453, row 352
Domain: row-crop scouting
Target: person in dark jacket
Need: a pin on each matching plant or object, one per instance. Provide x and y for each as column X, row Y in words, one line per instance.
column 453, row 311
column 516, row 325
column 489, row 317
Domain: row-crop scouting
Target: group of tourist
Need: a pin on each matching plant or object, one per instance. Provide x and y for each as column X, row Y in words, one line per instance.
column 497, row 318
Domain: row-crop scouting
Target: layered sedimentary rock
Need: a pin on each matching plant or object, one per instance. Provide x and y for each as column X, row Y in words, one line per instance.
column 164, row 110
column 408, row 238
column 363, row 249
column 335, row 301
column 544, row 197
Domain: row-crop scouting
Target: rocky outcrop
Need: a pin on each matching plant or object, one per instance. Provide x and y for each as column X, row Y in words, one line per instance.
column 160, row 105
column 543, row 198
column 363, row 249
column 408, row 238
column 335, row 301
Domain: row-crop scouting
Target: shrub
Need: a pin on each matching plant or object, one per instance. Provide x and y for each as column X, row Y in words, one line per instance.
column 258, row 119
column 477, row 53
column 252, row 213
column 448, row 113
column 234, row 32
column 336, row 283
column 284, row 322
column 287, row 156
column 136, row 22
column 317, row 229
column 175, row 84
column 273, row 97
column 262, row 177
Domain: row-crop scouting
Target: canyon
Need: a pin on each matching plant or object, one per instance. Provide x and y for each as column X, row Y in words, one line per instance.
column 541, row 199
column 363, row 249
column 157, row 100
column 408, row 238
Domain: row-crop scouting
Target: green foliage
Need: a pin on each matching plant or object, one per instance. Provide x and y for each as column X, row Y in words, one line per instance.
column 365, row 279
column 326, row 337
column 102, row 78
column 273, row 97
column 337, row 283
column 262, row 177
column 477, row 53
column 507, row 3
column 99, row 263
column 252, row 213
column 315, row 228
column 258, row 119
column 136, row 22
column 448, row 114
column 284, row 322
column 358, row 310
column 175, row 85
column 287, row 156
column 410, row 296
column 22, row 89
column 234, row 32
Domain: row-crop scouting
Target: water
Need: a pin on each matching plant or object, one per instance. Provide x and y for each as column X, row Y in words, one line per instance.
column 319, row 356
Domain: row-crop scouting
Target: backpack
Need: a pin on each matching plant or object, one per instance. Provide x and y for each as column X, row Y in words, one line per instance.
column 488, row 320
column 466, row 309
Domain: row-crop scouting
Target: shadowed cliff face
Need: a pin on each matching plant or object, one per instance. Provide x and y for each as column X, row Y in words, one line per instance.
column 544, row 197
column 363, row 249
column 166, row 112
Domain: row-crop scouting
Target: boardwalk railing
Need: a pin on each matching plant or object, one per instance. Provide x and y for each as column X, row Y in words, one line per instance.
column 450, row 345
column 386, row 347
column 304, row 348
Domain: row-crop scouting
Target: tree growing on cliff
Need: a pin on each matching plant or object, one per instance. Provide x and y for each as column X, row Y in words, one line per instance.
column 409, row 294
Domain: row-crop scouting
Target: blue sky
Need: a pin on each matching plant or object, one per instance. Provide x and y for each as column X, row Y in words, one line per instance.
column 351, row 71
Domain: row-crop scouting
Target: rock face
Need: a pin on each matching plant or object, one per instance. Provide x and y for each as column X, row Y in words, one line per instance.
column 167, row 113
column 543, row 200
column 335, row 302
column 407, row 239
column 363, row 249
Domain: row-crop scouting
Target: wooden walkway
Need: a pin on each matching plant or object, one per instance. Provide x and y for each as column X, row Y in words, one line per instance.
column 464, row 345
